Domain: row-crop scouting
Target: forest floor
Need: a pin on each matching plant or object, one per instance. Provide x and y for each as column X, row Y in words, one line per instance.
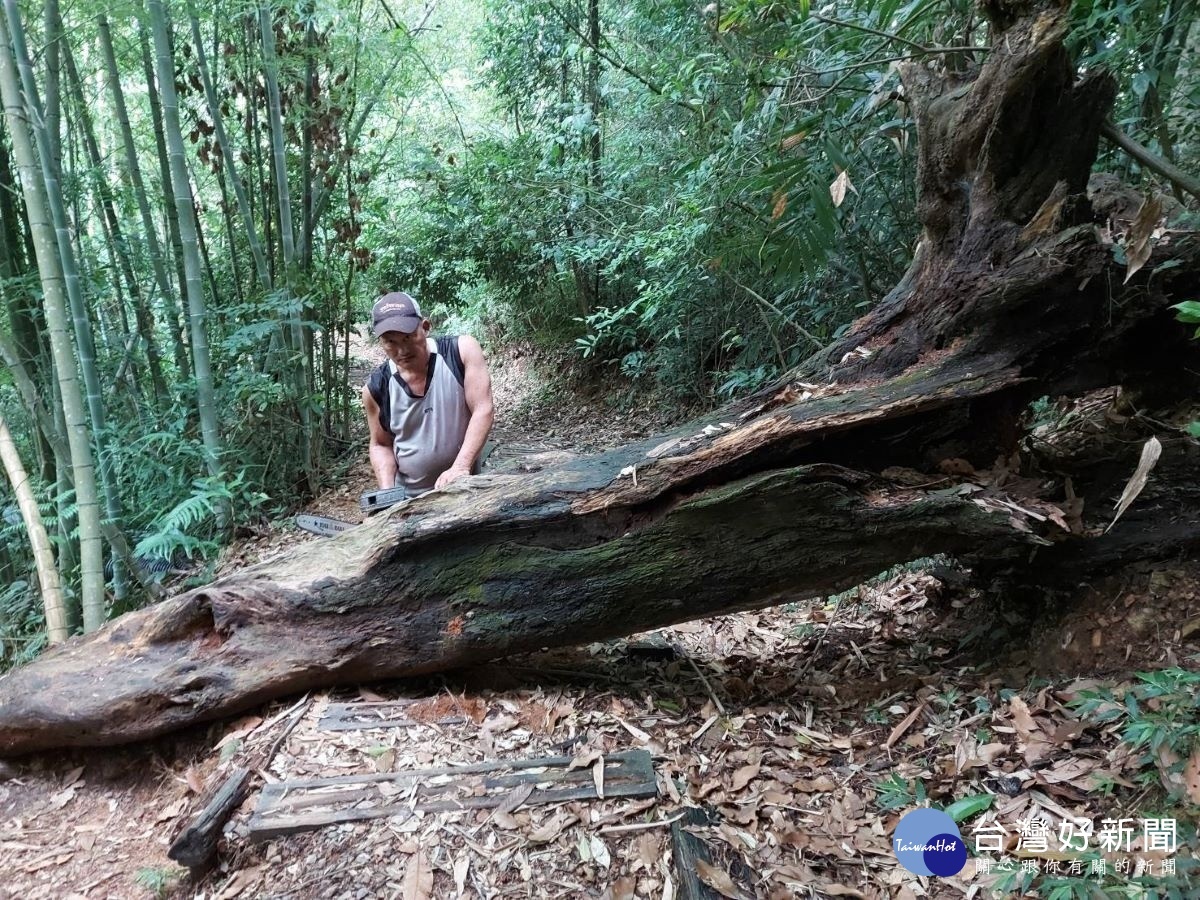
column 803, row 733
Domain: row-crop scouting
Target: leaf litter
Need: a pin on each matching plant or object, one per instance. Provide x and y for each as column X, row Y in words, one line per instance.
column 803, row 731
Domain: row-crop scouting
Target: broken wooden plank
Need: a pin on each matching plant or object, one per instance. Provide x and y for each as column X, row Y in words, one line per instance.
column 385, row 714
column 291, row 806
column 687, row 849
column 197, row 843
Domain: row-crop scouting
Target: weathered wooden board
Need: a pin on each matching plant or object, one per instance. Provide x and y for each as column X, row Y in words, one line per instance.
column 292, row 806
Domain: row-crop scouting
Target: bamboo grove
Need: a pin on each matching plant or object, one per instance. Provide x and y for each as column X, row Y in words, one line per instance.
column 177, row 200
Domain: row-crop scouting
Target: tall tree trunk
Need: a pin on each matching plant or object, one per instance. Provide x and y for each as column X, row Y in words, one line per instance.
column 27, row 330
column 43, row 558
column 214, row 110
column 134, row 169
column 53, row 112
column 306, row 157
column 104, row 199
column 55, row 299
column 185, row 214
column 93, row 600
column 300, row 366
column 595, row 182
column 172, row 205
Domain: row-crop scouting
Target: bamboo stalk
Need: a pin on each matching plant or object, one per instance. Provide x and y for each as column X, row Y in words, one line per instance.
column 55, row 294
column 185, row 214
column 52, row 598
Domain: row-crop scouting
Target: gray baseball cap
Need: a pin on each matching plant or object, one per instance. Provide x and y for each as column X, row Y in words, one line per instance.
column 395, row 312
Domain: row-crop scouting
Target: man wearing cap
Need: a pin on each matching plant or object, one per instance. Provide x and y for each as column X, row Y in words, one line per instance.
column 429, row 405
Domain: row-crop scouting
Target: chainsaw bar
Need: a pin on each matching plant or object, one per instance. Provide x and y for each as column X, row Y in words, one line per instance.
column 371, row 503
column 323, row 526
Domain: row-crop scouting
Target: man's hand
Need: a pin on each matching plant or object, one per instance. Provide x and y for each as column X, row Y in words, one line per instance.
column 453, row 473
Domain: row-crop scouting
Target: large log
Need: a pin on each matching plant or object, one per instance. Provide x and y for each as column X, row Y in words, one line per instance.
column 1013, row 293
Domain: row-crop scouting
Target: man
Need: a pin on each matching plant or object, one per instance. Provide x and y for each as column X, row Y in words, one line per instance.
column 429, row 406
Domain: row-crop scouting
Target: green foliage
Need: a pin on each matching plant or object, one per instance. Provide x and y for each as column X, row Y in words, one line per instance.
column 160, row 881
column 22, row 624
column 1160, row 714
column 895, row 792
column 189, row 528
column 1112, row 884
column 968, row 807
column 1188, row 312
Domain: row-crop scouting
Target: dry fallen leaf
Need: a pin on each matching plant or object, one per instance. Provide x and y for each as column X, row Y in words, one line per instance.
column 1137, row 242
column 780, row 207
column 62, row 798
column 744, row 776
column 552, row 829
column 505, row 820
column 621, row 889
column 840, row 890
column 647, row 848
column 584, row 758
column 904, row 725
column 598, row 777
column 1151, row 451
column 241, row 880
column 461, row 866
column 837, row 190
column 195, row 781
column 418, row 878
column 500, row 724
column 516, row 797
column 717, row 879
column 1191, row 777
column 599, row 851
column 241, row 728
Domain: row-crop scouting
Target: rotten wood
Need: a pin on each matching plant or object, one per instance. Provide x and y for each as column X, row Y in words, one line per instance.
column 686, row 850
column 196, row 846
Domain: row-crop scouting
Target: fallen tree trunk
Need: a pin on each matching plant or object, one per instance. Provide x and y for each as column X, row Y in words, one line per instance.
column 802, row 490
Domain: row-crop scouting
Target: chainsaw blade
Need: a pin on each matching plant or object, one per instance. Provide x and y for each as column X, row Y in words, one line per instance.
column 323, row 526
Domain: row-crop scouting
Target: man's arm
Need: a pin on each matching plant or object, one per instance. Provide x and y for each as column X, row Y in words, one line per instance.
column 382, row 455
column 477, row 385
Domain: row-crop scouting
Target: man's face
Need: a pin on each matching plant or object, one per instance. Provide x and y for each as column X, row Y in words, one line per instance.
column 401, row 347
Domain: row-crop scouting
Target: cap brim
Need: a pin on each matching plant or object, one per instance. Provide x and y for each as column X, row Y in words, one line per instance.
column 406, row 324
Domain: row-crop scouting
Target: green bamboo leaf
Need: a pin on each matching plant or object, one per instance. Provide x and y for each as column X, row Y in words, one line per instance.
column 961, row 810
column 1188, row 311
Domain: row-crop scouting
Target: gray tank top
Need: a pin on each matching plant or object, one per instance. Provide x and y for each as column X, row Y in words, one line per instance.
column 427, row 431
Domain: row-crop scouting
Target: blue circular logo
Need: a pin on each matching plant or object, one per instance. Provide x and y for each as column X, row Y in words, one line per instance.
column 927, row 842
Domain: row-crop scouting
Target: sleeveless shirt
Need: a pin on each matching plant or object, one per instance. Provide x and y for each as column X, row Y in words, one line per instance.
column 427, row 431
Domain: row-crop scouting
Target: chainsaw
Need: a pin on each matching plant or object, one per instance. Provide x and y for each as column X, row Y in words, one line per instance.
column 371, row 502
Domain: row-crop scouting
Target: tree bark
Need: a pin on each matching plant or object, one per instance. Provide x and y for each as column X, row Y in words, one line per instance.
column 801, row 490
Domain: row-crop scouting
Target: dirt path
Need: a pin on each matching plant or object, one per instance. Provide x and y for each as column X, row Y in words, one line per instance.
column 803, row 731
